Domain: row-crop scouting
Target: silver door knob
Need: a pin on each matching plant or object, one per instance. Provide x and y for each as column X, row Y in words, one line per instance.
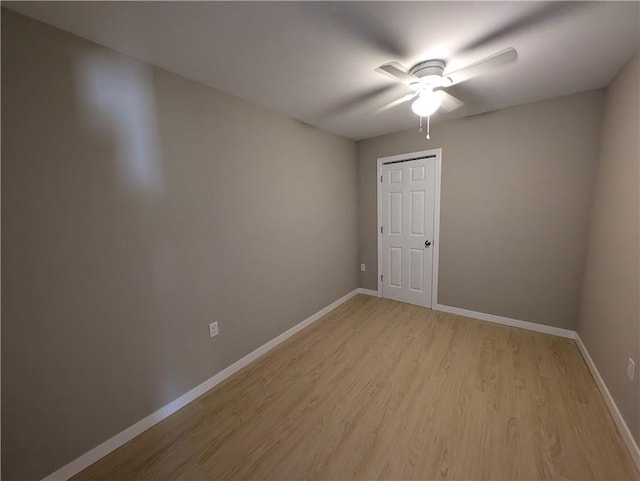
column 427, row 243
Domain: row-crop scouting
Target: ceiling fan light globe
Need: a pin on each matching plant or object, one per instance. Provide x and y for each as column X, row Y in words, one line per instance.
column 426, row 105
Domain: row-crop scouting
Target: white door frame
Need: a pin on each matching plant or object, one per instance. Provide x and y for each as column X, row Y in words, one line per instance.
column 436, row 215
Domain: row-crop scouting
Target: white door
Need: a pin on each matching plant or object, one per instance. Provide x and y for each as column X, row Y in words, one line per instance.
column 407, row 226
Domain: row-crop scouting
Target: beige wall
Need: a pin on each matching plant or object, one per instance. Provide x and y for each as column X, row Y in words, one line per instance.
column 137, row 207
column 609, row 322
column 516, row 186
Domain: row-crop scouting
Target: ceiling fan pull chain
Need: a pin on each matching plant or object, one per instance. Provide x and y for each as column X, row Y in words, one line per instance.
column 428, row 124
column 420, row 129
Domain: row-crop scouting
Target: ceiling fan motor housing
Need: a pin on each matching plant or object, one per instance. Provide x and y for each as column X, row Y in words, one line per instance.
column 429, row 72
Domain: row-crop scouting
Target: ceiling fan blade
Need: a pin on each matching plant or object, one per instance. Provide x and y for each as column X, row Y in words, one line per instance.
column 485, row 65
column 367, row 26
column 541, row 14
column 355, row 102
column 449, row 102
column 396, row 102
column 397, row 71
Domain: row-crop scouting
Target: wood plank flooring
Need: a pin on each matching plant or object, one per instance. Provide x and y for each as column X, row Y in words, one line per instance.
column 378, row 389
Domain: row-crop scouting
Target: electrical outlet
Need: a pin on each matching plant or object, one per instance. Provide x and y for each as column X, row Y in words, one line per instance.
column 631, row 369
column 363, row 267
column 213, row 329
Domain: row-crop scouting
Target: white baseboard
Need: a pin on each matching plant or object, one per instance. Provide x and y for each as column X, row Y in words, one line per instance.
column 90, row 457
column 611, row 404
column 531, row 326
column 368, row 292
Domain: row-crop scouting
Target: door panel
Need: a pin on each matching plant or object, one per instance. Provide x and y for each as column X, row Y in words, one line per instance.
column 395, row 213
column 416, row 208
column 407, row 222
column 395, row 176
column 395, row 267
column 417, row 173
column 417, row 270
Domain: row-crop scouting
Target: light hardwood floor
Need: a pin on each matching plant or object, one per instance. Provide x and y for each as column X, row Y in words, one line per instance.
column 378, row 389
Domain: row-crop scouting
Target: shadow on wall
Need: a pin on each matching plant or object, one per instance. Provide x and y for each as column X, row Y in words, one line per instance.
column 86, row 267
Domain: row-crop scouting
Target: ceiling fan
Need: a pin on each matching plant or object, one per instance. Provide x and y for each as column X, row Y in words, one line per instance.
column 428, row 80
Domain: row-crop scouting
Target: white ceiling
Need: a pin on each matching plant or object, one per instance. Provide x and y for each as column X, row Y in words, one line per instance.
column 315, row 61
